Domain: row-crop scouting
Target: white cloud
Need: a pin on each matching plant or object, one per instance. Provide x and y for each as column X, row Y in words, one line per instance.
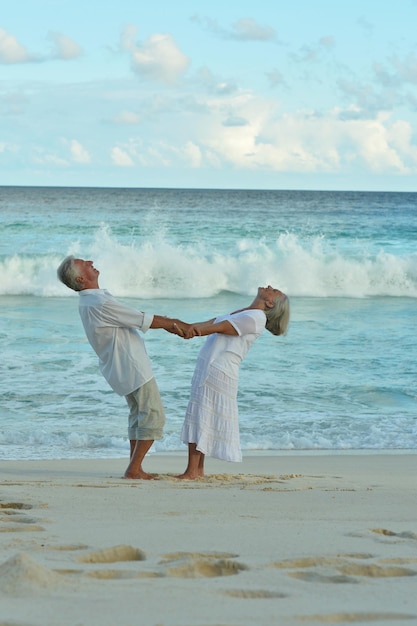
column 127, row 117
column 313, row 53
column 275, row 78
column 245, row 29
column 392, row 87
column 248, row 29
column 367, row 26
column 235, row 120
column 11, row 51
column 193, row 154
column 304, row 142
column 12, row 102
column 128, row 37
column 379, row 146
column 215, row 83
column 402, row 71
column 120, row 157
column 400, row 135
column 157, row 154
column 64, row 47
column 7, row 147
column 158, row 58
column 42, row 158
column 78, row 153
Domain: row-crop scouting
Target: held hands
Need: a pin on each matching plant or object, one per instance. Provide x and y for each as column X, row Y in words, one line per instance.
column 184, row 330
column 175, row 326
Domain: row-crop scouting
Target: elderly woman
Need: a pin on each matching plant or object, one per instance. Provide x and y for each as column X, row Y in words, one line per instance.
column 211, row 424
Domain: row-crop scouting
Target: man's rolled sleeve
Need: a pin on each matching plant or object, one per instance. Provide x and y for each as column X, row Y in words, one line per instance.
column 147, row 321
column 116, row 314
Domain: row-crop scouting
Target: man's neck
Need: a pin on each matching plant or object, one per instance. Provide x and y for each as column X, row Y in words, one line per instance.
column 89, row 287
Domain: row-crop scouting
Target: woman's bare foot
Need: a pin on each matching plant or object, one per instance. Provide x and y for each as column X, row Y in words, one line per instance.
column 190, row 476
column 195, row 466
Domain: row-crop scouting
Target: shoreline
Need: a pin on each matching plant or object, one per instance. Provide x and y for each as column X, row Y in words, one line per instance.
column 294, row 537
column 246, row 453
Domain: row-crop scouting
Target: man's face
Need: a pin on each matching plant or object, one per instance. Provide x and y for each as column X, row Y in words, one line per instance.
column 86, row 271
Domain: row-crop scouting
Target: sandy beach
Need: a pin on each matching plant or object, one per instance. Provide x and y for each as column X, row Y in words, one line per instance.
column 286, row 539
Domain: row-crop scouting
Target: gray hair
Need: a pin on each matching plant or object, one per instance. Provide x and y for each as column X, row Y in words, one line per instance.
column 67, row 273
column 278, row 317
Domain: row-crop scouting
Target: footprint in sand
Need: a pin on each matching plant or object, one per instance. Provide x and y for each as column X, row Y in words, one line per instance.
column 375, row 571
column 390, row 533
column 252, row 594
column 176, row 565
column 322, row 569
column 399, row 561
column 15, row 505
column 201, row 565
column 114, row 574
column 113, row 555
column 338, row 618
column 340, row 569
column 72, row 547
column 21, row 573
column 12, row 520
column 316, row 577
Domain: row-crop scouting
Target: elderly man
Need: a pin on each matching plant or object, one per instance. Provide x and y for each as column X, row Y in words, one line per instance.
column 112, row 330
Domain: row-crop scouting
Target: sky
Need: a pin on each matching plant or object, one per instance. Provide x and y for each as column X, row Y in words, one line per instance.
column 269, row 94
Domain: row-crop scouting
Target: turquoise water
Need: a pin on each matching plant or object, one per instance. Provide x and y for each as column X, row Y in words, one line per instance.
column 343, row 378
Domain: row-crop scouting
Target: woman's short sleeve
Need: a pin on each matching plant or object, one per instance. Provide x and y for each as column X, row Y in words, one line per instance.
column 250, row 322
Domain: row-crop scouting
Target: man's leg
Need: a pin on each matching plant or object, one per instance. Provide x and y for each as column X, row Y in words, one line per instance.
column 146, row 422
column 195, row 467
column 132, row 447
column 134, row 469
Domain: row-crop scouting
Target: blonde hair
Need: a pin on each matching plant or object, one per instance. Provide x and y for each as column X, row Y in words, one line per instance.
column 67, row 273
column 278, row 316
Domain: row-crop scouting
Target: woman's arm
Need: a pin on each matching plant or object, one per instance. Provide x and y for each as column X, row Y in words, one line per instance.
column 199, row 324
column 206, row 328
column 209, row 328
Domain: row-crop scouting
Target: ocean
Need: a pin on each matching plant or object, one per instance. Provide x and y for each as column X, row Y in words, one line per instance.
column 343, row 378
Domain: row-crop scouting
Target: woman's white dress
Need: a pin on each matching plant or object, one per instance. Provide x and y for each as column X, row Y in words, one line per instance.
column 211, row 419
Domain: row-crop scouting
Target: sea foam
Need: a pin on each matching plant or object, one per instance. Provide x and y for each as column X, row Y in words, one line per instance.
column 160, row 268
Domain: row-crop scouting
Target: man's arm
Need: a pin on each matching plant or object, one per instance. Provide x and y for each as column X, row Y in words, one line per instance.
column 175, row 326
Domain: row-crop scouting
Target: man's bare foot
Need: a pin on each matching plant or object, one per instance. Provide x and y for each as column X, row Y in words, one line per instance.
column 140, row 475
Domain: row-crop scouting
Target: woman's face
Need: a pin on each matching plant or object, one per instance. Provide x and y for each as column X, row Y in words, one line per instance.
column 270, row 293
